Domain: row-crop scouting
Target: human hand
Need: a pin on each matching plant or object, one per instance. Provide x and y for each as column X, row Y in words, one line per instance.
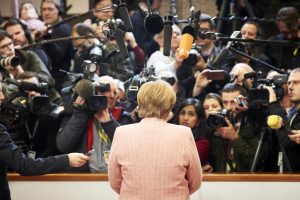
column 207, row 168
column 129, row 38
column 295, row 136
column 79, row 101
column 77, row 159
column 228, row 132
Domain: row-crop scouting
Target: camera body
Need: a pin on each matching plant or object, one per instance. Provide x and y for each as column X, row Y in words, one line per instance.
column 217, row 119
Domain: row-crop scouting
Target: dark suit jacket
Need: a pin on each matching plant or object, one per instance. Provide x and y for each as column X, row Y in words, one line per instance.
column 11, row 156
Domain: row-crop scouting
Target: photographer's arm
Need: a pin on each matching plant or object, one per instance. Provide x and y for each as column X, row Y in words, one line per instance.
column 72, row 131
column 201, row 82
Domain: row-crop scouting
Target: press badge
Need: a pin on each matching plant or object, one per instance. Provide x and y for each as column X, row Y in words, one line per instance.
column 106, row 156
column 31, row 154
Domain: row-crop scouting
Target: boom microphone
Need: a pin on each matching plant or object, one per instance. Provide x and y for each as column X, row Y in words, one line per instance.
column 121, row 44
column 168, row 32
column 186, row 42
column 153, row 22
column 123, row 11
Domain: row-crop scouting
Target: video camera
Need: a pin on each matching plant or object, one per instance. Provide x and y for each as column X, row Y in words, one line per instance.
column 261, row 95
column 16, row 97
column 217, row 119
column 113, row 25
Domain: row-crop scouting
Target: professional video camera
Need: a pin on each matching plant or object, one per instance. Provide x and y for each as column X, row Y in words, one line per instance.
column 217, row 119
column 148, row 74
column 17, row 104
column 261, row 95
column 111, row 27
column 17, row 96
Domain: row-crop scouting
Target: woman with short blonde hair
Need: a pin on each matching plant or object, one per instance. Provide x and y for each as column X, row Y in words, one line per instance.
column 153, row 159
column 155, row 99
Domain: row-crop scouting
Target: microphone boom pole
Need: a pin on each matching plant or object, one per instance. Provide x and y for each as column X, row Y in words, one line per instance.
column 58, row 40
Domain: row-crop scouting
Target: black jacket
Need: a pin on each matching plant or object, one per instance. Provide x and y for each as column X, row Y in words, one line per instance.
column 11, row 156
column 73, row 136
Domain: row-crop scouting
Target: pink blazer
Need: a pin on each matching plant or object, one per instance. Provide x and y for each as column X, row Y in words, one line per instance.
column 154, row 160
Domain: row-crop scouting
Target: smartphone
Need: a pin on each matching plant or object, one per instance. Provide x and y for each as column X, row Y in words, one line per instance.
column 215, row 75
column 89, row 153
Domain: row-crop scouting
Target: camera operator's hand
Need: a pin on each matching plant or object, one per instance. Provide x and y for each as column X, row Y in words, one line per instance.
column 242, row 103
column 103, row 115
column 272, row 94
column 228, row 132
column 295, row 136
column 129, row 38
column 77, row 159
column 201, row 82
column 15, row 71
column 79, row 101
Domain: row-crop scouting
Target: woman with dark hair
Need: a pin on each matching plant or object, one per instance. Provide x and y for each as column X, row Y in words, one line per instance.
column 218, row 145
column 190, row 113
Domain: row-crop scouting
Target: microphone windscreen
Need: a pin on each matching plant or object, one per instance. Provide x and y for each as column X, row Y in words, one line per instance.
column 189, row 30
column 220, row 57
column 125, row 17
column 186, row 42
column 121, row 43
column 168, row 31
column 154, row 23
column 274, row 122
column 85, row 89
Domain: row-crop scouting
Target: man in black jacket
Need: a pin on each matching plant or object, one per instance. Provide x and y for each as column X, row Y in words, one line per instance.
column 11, row 156
column 289, row 138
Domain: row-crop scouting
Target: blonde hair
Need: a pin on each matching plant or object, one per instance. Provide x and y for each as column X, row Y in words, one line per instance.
column 155, row 99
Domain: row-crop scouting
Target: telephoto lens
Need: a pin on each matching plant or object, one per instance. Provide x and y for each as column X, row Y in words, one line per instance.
column 13, row 61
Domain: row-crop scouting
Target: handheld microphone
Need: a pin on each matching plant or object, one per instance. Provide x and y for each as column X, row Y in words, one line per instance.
column 153, row 22
column 186, row 42
column 85, row 89
column 125, row 16
column 275, row 122
column 168, row 32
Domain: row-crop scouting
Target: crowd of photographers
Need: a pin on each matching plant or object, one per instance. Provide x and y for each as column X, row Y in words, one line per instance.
column 70, row 95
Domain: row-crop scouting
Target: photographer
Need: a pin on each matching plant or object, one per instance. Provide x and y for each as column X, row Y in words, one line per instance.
column 28, row 61
column 88, row 128
column 242, row 132
column 87, row 49
column 288, row 134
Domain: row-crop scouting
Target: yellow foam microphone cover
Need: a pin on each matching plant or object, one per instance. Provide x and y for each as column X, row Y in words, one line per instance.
column 186, row 44
column 274, row 122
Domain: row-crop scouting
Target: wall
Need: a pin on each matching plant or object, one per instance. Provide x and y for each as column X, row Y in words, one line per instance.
column 81, row 6
column 95, row 190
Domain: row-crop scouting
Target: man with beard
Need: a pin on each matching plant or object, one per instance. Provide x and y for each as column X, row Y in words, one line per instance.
column 286, row 57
